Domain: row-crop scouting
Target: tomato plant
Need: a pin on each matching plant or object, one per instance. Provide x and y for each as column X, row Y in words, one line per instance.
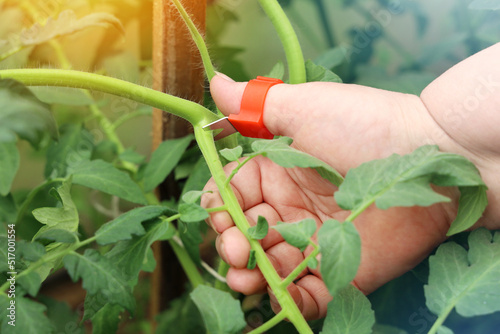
column 43, row 230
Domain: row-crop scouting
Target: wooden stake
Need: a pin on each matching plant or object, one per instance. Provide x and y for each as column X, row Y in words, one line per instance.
column 177, row 70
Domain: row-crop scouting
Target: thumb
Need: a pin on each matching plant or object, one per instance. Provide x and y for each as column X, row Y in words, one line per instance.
column 283, row 114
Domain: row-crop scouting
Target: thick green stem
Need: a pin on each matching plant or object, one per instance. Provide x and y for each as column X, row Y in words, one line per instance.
column 289, row 39
column 191, row 111
column 291, row 311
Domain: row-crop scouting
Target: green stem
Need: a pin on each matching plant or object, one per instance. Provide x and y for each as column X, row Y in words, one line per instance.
column 303, row 265
column 327, row 29
column 240, row 164
column 129, row 116
column 31, row 196
column 291, row 311
column 440, row 320
column 11, row 52
column 354, row 214
column 198, row 39
column 222, row 270
column 289, row 39
column 187, row 264
column 48, row 258
column 270, row 323
column 191, row 111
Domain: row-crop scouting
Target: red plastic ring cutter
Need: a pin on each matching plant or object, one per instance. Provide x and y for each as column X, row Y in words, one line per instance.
column 250, row 120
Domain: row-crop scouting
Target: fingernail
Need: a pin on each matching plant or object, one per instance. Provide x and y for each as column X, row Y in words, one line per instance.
column 222, row 75
column 221, row 249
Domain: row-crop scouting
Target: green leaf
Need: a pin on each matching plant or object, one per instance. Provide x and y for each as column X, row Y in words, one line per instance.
column 31, row 251
column 9, row 164
column 58, row 235
column 60, row 218
column 260, row 230
column 67, row 23
column 331, row 58
column 340, row 246
column 61, row 95
column 405, row 181
column 149, row 263
column 191, row 213
column 444, row 330
column 64, row 319
column 123, row 227
column 252, row 260
column 198, row 177
column 22, row 114
column 349, row 313
column 221, row 313
column 319, row 73
column 132, row 156
column 30, row 282
column 182, row 317
column 193, row 196
column 278, row 71
column 385, row 329
column 107, row 319
column 466, row 281
column 8, row 209
column 99, row 275
column 75, row 145
column 297, row 234
column 102, row 176
column 163, row 161
column 191, row 238
column 4, row 266
column 129, row 255
column 232, row 154
column 471, row 205
column 29, row 317
column 312, row 263
column 280, row 152
column 485, row 4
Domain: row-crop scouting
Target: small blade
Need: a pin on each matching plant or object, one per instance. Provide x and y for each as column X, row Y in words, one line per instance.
column 222, row 124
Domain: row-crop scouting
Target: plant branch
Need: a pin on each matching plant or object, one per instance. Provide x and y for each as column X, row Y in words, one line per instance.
column 187, row 264
column 198, row 39
column 240, row 164
column 303, row 265
column 270, row 323
column 191, row 111
column 440, row 320
column 50, row 257
column 127, row 117
column 291, row 310
column 289, row 39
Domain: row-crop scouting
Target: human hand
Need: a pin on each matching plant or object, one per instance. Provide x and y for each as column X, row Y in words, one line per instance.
column 343, row 125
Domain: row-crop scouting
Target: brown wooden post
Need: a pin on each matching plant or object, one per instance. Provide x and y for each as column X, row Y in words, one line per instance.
column 177, row 70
